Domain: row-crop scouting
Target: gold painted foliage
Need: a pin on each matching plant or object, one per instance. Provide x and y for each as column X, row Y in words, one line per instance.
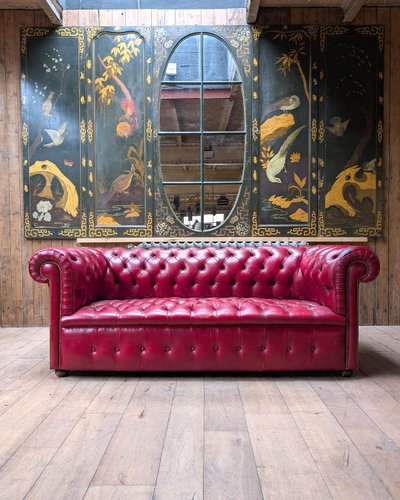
column 299, row 184
column 126, row 51
column 286, row 61
column 266, row 154
column 136, row 157
column 113, row 63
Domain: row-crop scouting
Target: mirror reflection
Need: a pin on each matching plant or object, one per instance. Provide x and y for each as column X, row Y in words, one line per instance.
column 223, row 107
column 184, row 63
column 180, row 158
column 223, row 157
column 180, row 108
column 202, row 132
column 218, row 61
column 186, row 204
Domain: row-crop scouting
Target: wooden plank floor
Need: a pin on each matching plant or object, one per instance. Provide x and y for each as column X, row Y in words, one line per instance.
column 100, row 437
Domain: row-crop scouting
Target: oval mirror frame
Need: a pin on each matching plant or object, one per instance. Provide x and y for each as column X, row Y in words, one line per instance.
column 202, row 132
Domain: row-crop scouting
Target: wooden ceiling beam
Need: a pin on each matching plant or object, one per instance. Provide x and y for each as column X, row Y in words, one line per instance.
column 350, row 9
column 53, row 11
column 252, row 10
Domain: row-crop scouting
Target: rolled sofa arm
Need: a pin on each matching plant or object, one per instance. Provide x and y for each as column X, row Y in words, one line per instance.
column 326, row 271
column 76, row 273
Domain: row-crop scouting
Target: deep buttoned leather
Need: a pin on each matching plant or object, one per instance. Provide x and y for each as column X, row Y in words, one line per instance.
column 308, row 293
column 202, row 311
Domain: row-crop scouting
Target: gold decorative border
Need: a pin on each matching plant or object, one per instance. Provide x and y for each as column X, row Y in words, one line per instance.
column 161, row 45
column 257, row 32
column 76, row 232
column 239, row 38
column 379, row 131
column 149, row 130
column 82, row 130
column 90, row 131
column 314, row 129
column 92, row 32
column 310, row 230
column 25, row 134
column 262, row 231
column 371, row 231
column 312, row 30
column 254, row 129
column 142, row 232
column 31, row 32
column 321, row 131
column 329, row 31
column 371, row 31
column 330, row 231
column 74, row 32
column 97, row 231
column 31, row 232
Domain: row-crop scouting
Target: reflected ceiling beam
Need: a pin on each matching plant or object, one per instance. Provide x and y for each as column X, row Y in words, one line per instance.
column 226, row 114
column 252, row 9
column 173, row 115
column 350, row 9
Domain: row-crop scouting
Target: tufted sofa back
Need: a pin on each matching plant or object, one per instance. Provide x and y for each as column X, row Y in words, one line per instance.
column 269, row 272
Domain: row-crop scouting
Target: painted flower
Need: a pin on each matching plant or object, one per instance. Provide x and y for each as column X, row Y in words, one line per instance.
column 43, row 211
column 295, row 157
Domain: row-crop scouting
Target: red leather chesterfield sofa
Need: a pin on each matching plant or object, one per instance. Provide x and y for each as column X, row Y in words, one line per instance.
column 204, row 309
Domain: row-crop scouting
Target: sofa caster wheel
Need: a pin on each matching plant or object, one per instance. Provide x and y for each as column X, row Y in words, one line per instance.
column 61, row 373
column 346, row 373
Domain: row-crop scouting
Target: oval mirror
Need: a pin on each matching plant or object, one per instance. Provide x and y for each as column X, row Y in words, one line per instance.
column 202, row 132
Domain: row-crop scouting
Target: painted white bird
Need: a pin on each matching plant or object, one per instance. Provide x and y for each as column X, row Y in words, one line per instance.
column 47, row 106
column 277, row 163
column 338, row 126
column 290, row 103
column 286, row 104
column 57, row 136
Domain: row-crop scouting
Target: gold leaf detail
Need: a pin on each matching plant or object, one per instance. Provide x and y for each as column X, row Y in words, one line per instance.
column 321, row 132
column 25, row 134
column 149, row 130
column 314, row 130
column 379, row 131
column 82, row 130
column 90, row 131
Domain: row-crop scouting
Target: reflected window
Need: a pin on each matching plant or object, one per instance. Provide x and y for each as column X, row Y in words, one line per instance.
column 202, row 131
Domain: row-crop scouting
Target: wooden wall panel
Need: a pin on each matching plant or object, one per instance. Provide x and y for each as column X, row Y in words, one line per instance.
column 24, row 302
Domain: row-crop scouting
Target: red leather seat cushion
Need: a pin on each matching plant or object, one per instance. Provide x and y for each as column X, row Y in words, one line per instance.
column 202, row 311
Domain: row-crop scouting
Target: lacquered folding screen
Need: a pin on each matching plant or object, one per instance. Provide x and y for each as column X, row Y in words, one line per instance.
column 183, row 131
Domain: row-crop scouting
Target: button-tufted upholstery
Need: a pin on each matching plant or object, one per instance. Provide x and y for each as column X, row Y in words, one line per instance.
column 265, row 308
